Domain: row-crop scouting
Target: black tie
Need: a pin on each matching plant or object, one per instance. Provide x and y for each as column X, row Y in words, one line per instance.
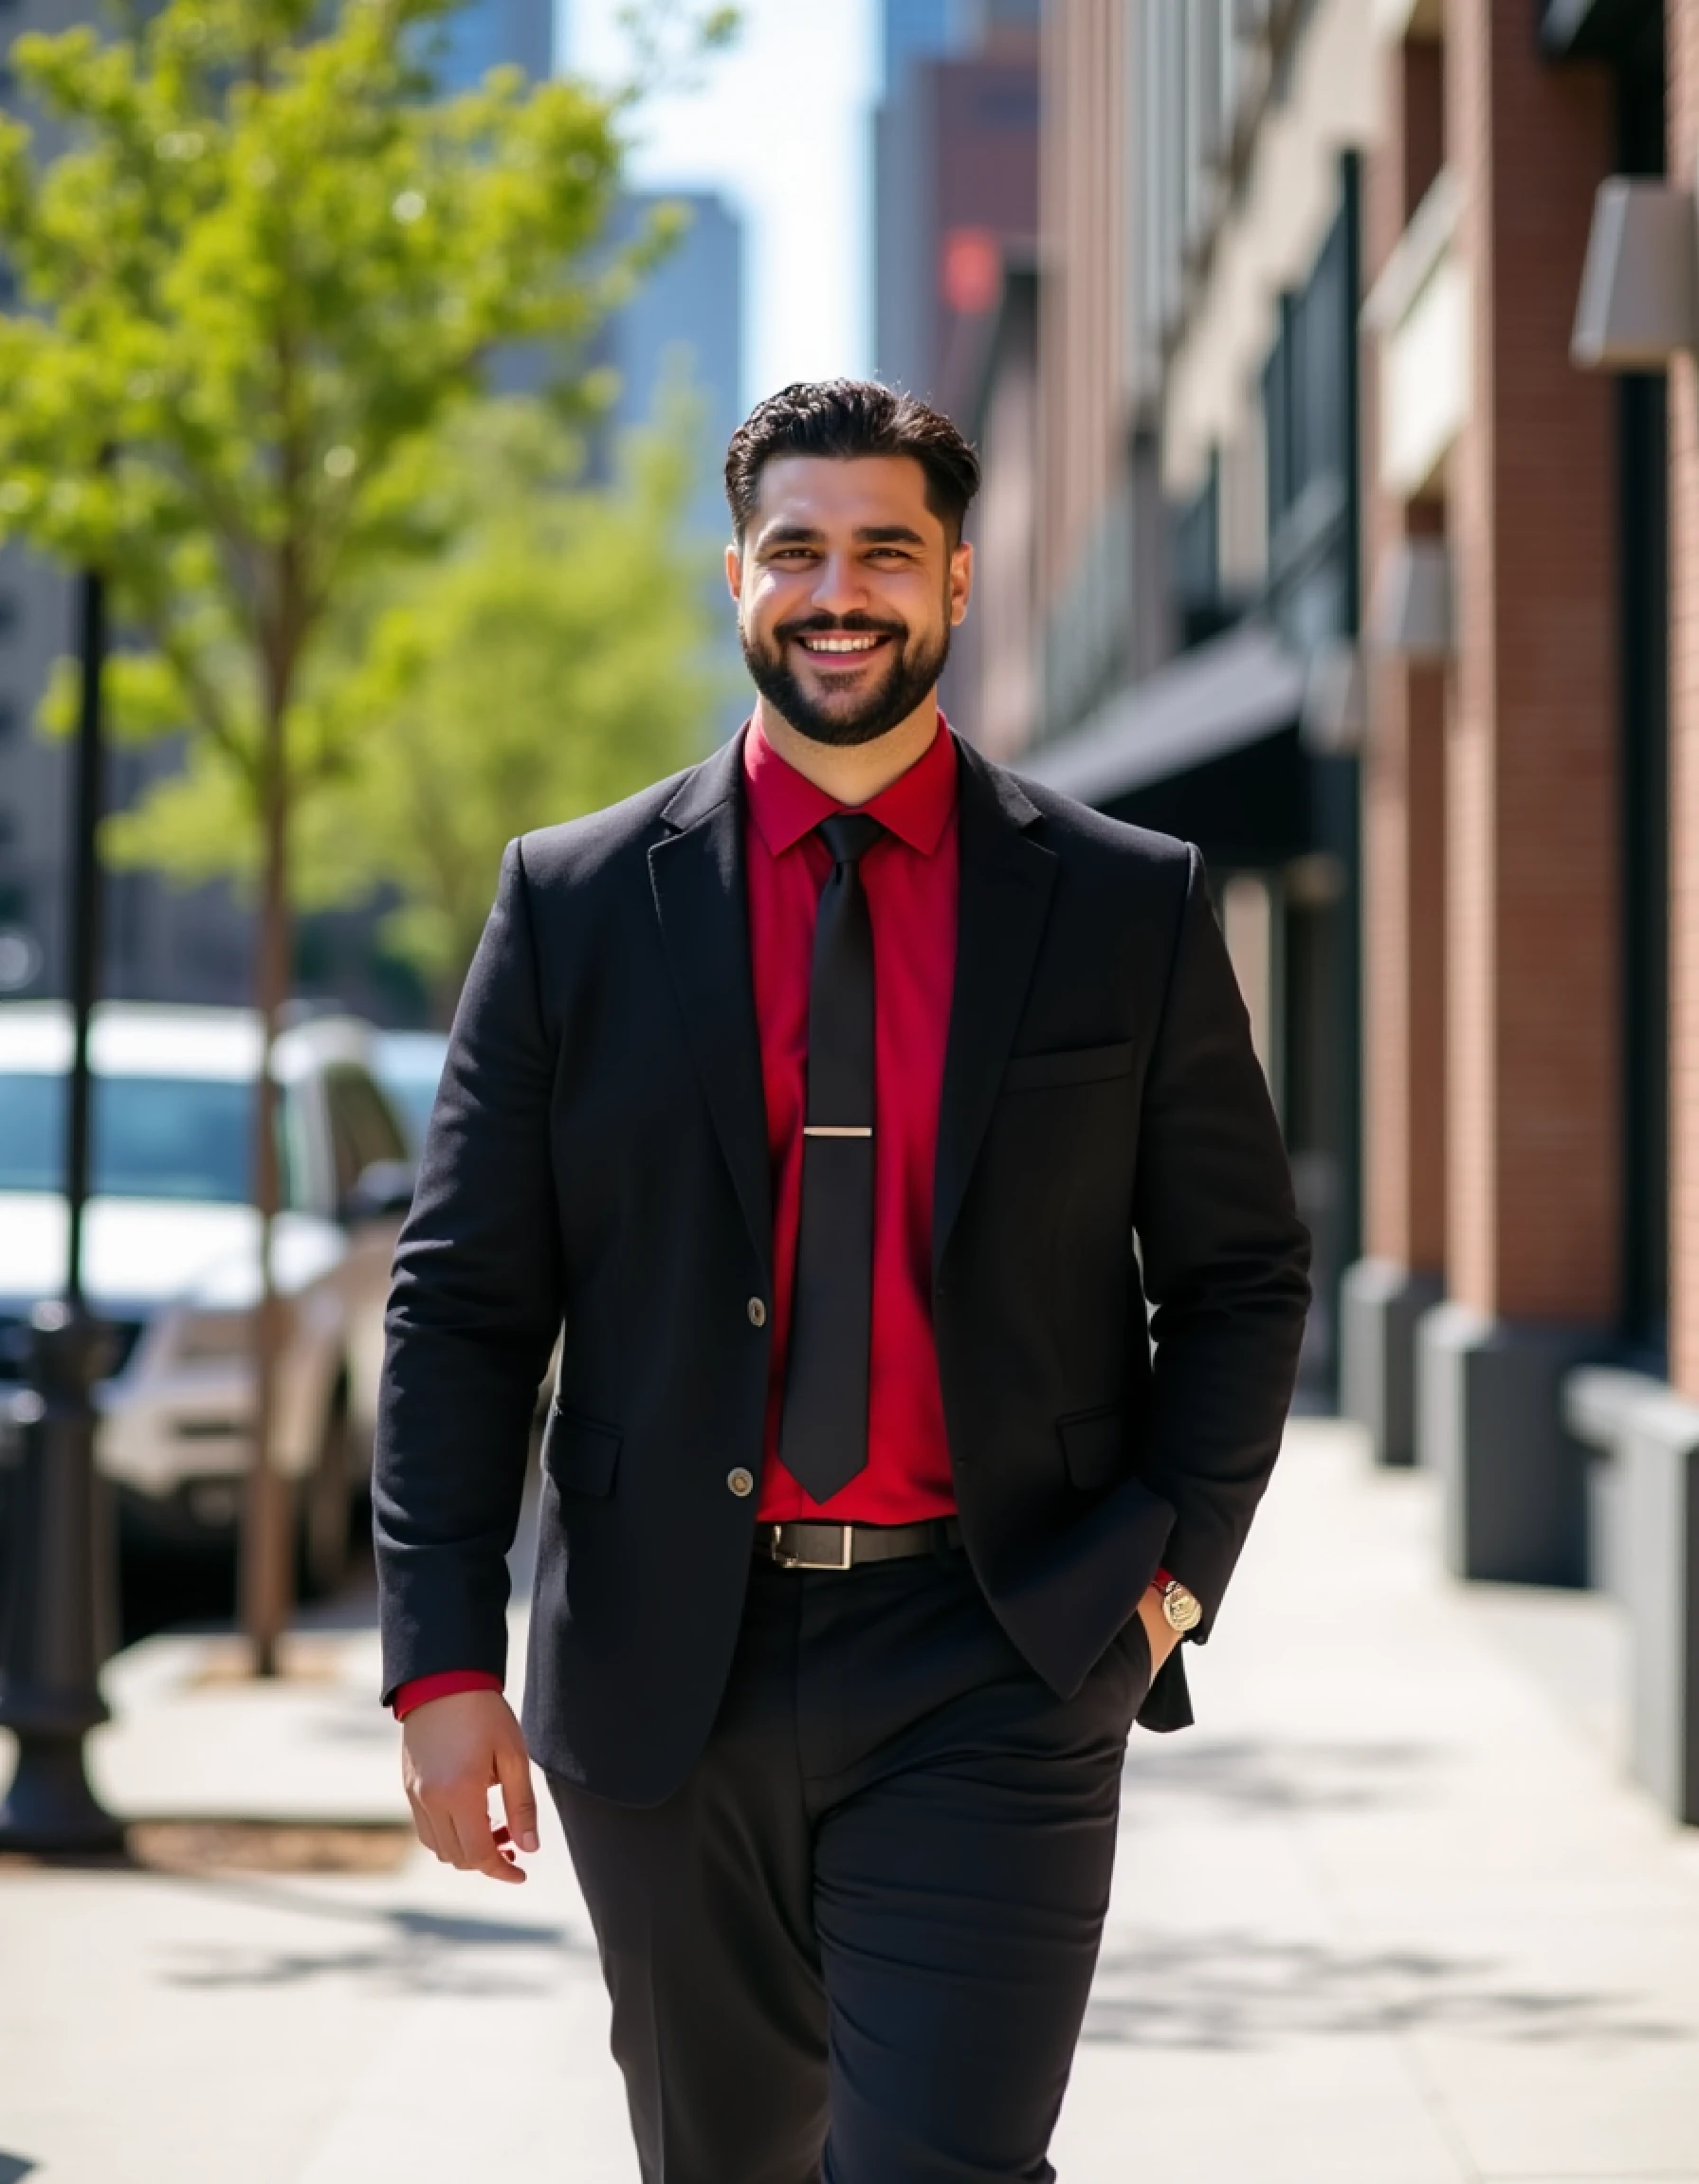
column 823, row 1430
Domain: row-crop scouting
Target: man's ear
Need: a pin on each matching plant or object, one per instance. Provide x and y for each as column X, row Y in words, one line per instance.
column 961, row 583
column 734, row 570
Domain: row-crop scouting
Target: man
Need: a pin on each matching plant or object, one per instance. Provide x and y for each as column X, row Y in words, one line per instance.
column 815, row 1100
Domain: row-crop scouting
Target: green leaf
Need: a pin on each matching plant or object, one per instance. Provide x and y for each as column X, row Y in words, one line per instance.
column 262, row 273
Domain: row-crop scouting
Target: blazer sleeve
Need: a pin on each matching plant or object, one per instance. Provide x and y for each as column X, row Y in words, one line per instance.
column 1225, row 1260
column 474, row 1311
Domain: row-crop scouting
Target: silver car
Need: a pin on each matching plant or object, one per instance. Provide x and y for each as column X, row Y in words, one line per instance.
column 172, row 1250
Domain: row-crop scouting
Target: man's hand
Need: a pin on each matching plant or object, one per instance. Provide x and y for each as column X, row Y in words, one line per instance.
column 453, row 1751
column 1163, row 1637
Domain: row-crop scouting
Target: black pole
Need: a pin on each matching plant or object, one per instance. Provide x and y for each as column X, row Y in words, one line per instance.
column 49, row 1643
column 85, row 925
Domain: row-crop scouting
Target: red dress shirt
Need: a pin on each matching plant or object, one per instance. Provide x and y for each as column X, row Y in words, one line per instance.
column 910, row 882
column 910, row 879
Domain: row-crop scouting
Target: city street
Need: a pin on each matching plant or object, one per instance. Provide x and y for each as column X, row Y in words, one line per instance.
column 1388, row 1916
column 940, row 736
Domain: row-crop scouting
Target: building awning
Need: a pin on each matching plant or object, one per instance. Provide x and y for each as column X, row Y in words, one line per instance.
column 1208, row 747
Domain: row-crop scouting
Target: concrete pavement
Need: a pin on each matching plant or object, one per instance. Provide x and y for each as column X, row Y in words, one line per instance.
column 1391, row 1916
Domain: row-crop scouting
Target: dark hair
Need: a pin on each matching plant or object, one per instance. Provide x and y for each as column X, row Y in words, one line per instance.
column 844, row 418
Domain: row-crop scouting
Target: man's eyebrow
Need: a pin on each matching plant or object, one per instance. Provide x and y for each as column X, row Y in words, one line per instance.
column 869, row 535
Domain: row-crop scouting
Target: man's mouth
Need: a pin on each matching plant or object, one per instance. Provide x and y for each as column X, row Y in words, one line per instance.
column 837, row 644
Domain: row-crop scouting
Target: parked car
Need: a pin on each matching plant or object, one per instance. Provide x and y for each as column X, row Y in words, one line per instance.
column 410, row 1068
column 171, row 1251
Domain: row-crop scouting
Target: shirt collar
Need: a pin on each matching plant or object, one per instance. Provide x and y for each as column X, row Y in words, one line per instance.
column 916, row 807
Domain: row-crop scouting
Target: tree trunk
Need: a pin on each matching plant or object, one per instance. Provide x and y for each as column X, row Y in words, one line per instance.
column 267, row 1540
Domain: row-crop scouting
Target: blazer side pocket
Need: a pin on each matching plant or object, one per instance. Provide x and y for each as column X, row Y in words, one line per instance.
column 1073, row 1066
column 579, row 1454
column 1094, row 1449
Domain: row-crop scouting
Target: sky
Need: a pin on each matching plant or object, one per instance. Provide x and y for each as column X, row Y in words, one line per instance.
column 780, row 126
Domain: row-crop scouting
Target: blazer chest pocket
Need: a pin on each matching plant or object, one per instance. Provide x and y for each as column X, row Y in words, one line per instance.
column 1094, row 1449
column 1073, row 1066
column 579, row 1454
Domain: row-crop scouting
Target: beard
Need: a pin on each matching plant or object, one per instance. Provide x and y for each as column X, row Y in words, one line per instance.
column 915, row 666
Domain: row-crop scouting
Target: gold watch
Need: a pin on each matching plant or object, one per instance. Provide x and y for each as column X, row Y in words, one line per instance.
column 1184, row 1609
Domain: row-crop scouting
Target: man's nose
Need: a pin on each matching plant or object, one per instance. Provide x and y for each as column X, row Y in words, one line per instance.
column 839, row 587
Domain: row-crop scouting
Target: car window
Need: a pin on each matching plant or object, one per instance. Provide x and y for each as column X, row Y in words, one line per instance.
column 412, row 1092
column 153, row 1137
column 362, row 1128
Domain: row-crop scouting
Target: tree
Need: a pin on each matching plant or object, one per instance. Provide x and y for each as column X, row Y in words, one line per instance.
column 556, row 658
column 265, row 272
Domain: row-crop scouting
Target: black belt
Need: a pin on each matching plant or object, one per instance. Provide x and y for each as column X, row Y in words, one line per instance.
column 810, row 1546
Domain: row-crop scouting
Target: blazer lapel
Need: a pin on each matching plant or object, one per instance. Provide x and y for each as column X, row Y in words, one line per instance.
column 701, row 898
column 1004, row 898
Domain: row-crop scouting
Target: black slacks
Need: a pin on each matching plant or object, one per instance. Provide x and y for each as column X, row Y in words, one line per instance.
column 856, row 1945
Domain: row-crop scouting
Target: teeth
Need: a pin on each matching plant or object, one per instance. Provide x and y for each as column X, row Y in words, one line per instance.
column 840, row 643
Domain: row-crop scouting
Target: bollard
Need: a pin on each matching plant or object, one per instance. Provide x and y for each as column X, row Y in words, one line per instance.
column 51, row 1611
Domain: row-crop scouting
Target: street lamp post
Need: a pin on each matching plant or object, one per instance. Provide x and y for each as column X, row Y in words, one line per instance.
column 53, row 1607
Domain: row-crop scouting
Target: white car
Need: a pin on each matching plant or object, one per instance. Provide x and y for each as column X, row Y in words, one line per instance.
column 172, row 1250
column 410, row 1068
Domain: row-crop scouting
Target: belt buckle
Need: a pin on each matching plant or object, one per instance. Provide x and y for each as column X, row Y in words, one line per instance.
column 786, row 1560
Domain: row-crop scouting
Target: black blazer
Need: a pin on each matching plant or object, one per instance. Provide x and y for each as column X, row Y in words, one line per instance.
column 597, row 1168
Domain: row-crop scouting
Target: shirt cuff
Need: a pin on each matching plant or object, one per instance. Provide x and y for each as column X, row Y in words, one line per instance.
column 424, row 1688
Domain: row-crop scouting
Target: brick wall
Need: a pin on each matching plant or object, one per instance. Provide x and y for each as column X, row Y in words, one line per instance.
column 1683, row 50
column 1403, row 794
column 1532, row 1031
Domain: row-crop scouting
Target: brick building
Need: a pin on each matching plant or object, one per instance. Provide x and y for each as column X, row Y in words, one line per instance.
column 1347, row 569
column 1188, row 455
column 1525, row 1315
column 1511, row 1157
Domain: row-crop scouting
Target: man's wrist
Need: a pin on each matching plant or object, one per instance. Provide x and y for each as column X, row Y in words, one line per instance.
column 420, row 1690
column 1160, row 1635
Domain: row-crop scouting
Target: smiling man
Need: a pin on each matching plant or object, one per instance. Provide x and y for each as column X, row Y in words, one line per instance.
column 883, row 1142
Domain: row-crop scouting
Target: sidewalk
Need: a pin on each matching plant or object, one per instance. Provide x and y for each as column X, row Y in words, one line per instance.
column 1389, row 1917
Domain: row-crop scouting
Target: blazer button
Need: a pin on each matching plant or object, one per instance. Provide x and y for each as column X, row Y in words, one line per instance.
column 740, row 1482
column 757, row 1312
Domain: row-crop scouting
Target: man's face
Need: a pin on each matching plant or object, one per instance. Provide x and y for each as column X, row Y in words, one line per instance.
column 848, row 588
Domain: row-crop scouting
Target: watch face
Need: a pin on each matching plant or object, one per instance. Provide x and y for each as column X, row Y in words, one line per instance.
column 1183, row 1609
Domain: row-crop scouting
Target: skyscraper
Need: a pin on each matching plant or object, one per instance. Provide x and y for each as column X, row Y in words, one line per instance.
column 955, row 181
column 914, row 28
column 687, row 317
column 490, row 33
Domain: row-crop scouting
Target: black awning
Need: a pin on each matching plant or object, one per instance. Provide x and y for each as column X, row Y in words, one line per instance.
column 1208, row 747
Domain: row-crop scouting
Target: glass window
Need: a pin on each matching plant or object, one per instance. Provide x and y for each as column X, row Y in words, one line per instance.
column 153, row 1137
column 416, row 1095
column 362, row 1129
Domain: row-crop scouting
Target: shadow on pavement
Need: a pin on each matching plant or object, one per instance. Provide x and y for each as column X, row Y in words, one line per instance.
column 1243, row 1991
column 1285, row 1775
column 395, row 1948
